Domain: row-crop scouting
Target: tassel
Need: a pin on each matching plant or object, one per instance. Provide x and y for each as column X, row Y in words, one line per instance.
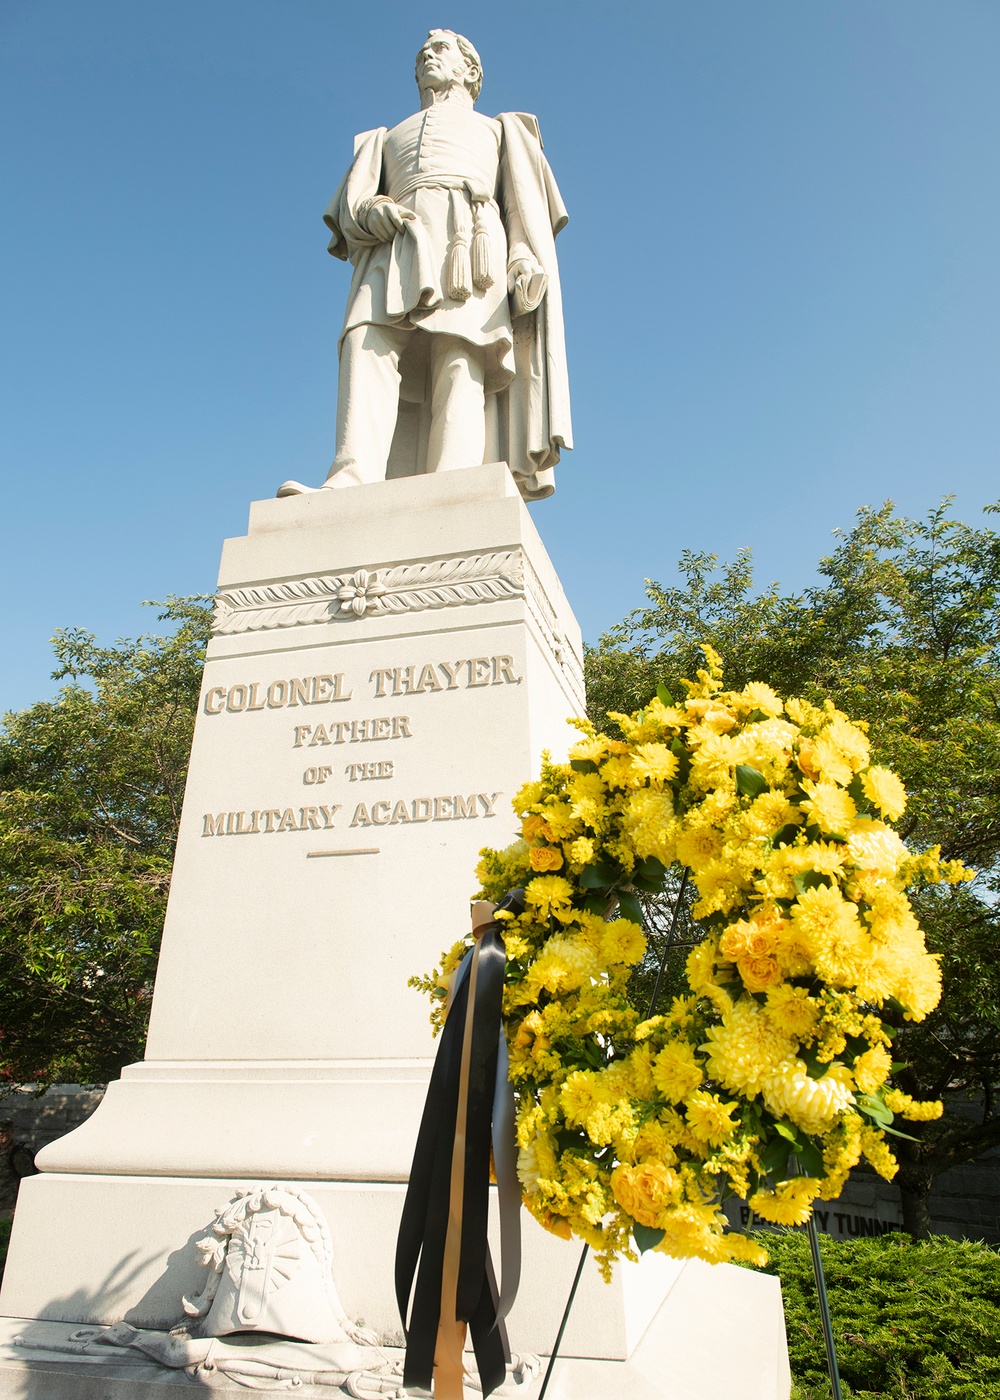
column 459, row 270
column 482, row 277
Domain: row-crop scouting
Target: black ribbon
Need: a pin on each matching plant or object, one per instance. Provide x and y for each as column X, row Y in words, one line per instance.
column 423, row 1229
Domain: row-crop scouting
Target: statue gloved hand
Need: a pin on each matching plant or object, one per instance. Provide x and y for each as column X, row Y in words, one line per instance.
column 382, row 218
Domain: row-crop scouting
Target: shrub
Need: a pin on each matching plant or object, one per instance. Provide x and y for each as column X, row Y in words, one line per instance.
column 912, row 1320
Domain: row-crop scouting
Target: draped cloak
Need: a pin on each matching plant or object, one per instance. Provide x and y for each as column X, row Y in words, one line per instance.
column 404, row 283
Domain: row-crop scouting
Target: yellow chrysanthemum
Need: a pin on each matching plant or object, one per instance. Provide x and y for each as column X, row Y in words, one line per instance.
column 792, row 1011
column 789, row 1203
column 871, row 1069
column 548, row 892
column 709, row 1118
column 622, row 942
column 830, row 931
column 655, row 763
column 698, row 845
column 746, row 1049
column 591, row 749
column 885, row 791
column 758, row 696
column 676, row 1071
column 582, row 850
column 849, row 741
column 829, row 807
column 619, row 771
column 873, row 847
column 813, row 1104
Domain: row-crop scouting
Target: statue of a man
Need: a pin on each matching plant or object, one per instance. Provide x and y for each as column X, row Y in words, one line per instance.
column 452, row 351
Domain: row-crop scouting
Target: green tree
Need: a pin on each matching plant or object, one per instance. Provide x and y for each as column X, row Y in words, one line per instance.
column 903, row 632
column 91, row 785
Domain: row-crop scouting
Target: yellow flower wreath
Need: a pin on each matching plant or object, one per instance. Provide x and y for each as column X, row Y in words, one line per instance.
column 769, row 1078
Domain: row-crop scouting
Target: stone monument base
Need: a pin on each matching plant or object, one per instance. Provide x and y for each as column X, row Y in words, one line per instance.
column 661, row 1329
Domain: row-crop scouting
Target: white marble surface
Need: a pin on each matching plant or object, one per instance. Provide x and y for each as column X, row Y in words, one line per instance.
column 284, row 1040
column 687, row 1331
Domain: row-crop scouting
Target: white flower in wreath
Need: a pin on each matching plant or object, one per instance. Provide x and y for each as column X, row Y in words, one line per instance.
column 359, row 593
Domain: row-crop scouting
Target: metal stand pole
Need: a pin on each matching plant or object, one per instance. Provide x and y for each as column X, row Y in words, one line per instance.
column 565, row 1319
column 824, row 1310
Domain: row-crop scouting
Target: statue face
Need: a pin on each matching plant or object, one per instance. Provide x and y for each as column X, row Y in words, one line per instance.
column 441, row 63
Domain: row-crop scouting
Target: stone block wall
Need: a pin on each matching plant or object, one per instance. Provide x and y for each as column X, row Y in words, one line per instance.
column 40, row 1119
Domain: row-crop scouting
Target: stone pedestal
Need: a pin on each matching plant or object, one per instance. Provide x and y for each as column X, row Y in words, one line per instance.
column 388, row 665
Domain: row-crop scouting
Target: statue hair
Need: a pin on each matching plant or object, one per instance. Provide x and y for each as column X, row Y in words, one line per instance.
column 468, row 52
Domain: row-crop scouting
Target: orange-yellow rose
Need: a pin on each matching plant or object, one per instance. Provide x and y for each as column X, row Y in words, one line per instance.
column 545, row 858
column 759, row 974
column 646, row 1191
column 532, row 826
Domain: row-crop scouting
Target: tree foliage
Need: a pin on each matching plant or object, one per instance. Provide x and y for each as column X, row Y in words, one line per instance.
column 903, row 632
column 91, row 785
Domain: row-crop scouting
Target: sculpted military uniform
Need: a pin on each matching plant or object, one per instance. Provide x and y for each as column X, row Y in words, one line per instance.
column 452, row 350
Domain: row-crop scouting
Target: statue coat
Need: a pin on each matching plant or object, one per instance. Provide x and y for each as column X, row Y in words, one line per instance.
column 404, row 283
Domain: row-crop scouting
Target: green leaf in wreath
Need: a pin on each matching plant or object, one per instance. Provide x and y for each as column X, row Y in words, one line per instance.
column 663, row 695
column 894, row 1132
column 786, row 835
column 583, row 765
column 874, row 1108
column 809, row 880
column 749, row 783
column 630, row 908
column 651, row 870
column 646, row 1237
column 774, row 1158
column 856, row 790
column 788, row 1132
column 810, row 1157
column 598, row 877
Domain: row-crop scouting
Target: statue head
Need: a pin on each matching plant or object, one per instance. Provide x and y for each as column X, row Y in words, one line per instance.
column 446, row 60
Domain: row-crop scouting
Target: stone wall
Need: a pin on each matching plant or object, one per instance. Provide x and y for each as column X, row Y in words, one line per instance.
column 965, row 1204
column 40, row 1119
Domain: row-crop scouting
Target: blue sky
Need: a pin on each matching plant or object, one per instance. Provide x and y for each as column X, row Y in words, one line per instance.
column 781, row 274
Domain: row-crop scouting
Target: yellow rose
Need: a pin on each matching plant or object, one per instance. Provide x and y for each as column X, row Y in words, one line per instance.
column 544, row 858
column 759, row 974
column 532, row 827
column 645, row 1192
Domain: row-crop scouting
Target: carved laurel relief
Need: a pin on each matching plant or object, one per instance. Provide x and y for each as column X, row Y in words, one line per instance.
column 480, row 578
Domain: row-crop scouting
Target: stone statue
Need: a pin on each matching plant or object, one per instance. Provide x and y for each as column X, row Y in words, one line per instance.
column 452, row 351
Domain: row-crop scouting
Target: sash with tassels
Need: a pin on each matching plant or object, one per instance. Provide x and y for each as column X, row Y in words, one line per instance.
column 443, row 1232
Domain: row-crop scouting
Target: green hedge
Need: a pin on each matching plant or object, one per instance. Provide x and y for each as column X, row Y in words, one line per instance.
column 912, row 1320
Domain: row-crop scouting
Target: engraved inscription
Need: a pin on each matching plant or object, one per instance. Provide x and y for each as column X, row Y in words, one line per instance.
column 255, row 695
column 352, row 731
column 265, row 820
column 425, row 809
column 363, row 771
column 432, row 677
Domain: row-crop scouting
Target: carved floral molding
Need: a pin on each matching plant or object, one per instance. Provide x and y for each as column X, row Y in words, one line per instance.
column 443, row 583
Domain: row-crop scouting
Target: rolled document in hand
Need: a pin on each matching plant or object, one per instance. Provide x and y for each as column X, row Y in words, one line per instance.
column 529, row 289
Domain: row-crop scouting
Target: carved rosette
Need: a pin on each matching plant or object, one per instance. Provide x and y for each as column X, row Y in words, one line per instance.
column 442, row 583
